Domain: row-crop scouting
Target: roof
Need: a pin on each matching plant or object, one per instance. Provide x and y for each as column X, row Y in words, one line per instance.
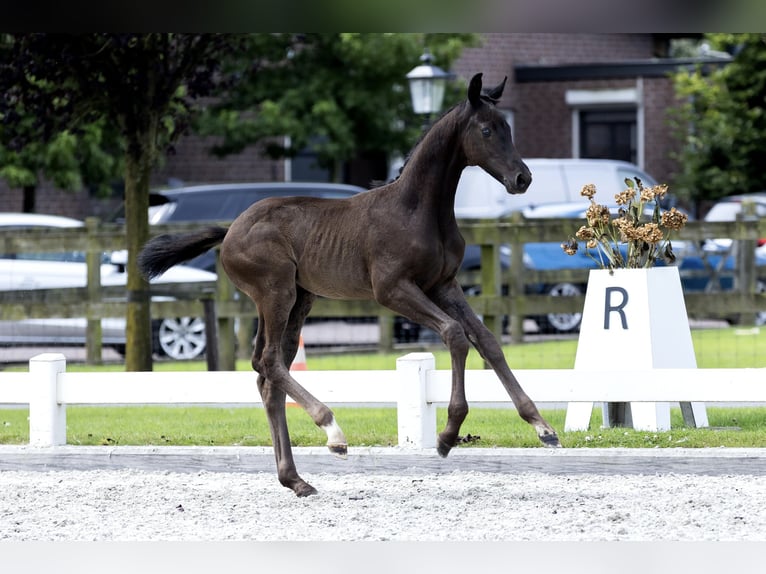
column 265, row 186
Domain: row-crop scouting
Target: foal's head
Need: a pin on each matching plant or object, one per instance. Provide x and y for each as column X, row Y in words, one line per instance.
column 487, row 140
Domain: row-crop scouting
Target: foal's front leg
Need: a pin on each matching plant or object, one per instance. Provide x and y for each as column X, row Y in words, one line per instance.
column 452, row 300
column 407, row 299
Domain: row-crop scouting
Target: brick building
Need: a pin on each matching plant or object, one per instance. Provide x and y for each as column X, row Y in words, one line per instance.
column 585, row 95
column 568, row 95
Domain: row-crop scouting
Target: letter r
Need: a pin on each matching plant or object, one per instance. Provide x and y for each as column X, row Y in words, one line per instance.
column 609, row 307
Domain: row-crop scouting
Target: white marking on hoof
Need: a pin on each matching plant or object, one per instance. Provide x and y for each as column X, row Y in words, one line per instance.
column 335, row 435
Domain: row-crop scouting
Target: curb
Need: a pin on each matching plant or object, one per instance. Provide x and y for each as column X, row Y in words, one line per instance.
column 706, row 461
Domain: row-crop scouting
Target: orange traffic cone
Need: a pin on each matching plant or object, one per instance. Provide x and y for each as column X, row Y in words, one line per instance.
column 299, row 362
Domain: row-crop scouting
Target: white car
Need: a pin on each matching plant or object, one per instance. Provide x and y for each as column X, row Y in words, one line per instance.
column 730, row 209
column 177, row 338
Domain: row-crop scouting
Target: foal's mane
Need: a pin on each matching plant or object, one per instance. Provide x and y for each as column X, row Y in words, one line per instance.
column 423, row 136
column 485, row 97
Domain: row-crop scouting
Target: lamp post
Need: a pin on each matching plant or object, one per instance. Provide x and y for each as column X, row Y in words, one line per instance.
column 427, row 83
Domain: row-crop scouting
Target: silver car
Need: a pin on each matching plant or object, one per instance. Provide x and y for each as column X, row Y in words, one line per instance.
column 178, row 338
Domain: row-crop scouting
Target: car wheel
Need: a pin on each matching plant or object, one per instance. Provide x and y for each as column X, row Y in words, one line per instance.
column 561, row 322
column 181, row 338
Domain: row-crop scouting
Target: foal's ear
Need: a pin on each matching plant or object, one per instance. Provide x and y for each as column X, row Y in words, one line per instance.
column 474, row 91
column 496, row 93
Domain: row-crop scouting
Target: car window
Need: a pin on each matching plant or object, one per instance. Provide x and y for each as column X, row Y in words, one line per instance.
column 64, row 256
column 226, row 205
column 196, row 207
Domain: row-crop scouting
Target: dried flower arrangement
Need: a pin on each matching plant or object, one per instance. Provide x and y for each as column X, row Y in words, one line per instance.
column 646, row 237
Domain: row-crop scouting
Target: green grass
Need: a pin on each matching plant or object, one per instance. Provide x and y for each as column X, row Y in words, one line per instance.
column 213, row 426
column 156, row 425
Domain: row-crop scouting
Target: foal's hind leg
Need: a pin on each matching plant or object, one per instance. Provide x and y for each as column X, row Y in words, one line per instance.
column 452, row 300
column 274, row 399
column 276, row 344
column 274, row 405
column 407, row 299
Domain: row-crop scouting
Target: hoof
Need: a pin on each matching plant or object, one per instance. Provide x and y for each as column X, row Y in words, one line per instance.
column 305, row 489
column 443, row 448
column 339, row 450
column 550, row 440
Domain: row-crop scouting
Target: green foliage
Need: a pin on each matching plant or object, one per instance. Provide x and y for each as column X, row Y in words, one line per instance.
column 73, row 160
column 144, row 86
column 721, row 121
column 342, row 95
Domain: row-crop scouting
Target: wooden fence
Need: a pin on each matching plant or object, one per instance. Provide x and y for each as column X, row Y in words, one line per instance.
column 95, row 301
column 415, row 387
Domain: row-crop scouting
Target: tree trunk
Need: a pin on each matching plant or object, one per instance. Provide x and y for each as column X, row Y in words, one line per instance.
column 138, row 165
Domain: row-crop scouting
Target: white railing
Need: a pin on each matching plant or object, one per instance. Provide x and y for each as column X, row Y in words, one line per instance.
column 415, row 387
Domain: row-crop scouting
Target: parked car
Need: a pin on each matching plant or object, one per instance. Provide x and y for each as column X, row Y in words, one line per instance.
column 695, row 265
column 554, row 193
column 710, row 267
column 730, row 209
column 178, row 338
column 555, row 181
column 224, row 202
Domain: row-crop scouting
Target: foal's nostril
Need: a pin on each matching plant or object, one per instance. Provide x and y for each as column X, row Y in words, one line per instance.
column 522, row 181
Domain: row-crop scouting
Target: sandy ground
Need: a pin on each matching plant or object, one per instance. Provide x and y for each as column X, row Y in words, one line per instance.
column 133, row 505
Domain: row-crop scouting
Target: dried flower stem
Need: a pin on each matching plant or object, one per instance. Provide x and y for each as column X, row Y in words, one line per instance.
column 646, row 240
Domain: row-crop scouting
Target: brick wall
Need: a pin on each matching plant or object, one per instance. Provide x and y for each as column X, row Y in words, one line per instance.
column 499, row 53
column 49, row 199
column 659, row 140
column 192, row 163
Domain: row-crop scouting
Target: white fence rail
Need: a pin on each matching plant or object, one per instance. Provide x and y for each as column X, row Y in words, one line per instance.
column 416, row 388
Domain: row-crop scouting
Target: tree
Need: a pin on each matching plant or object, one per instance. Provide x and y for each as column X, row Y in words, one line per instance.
column 89, row 159
column 722, row 121
column 341, row 95
column 146, row 85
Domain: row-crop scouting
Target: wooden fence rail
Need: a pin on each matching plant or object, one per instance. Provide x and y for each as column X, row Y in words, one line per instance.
column 415, row 387
column 96, row 302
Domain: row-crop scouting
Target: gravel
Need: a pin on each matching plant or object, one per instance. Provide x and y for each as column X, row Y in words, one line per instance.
column 141, row 505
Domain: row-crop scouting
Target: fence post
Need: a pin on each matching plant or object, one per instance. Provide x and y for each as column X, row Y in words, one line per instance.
column 744, row 252
column 93, row 331
column 225, row 290
column 416, row 417
column 47, row 418
column 516, row 282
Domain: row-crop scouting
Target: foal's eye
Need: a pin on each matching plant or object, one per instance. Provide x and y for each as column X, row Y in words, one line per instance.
column 485, row 132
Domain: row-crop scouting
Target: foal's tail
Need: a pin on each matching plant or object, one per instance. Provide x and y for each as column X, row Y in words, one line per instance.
column 164, row 251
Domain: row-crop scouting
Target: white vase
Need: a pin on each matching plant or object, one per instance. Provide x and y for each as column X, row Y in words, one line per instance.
column 634, row 319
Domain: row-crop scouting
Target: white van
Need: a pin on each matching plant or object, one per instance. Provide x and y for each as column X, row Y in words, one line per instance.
column 554, row 181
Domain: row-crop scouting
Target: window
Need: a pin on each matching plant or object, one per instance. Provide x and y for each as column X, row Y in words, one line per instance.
column 608, row 134
column 608, row 124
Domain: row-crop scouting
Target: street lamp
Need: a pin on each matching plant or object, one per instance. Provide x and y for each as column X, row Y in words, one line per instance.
column 427, row 83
